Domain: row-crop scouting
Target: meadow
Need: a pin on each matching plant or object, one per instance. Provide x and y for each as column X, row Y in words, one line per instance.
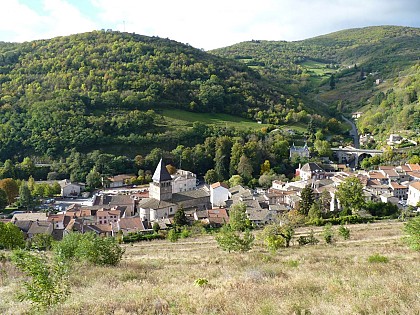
column 177, row 117
column 371, row 273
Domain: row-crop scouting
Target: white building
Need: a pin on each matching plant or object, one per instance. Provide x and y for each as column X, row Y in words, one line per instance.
column 183, row 181
column 299, row 151
column 69, row 189
column 219, row 193
column 413, row 194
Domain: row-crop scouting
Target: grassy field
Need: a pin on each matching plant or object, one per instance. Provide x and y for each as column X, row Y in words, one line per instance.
column 178, row 117
column 159, row 278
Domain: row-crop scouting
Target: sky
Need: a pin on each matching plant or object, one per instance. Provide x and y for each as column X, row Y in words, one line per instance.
column 201, row 23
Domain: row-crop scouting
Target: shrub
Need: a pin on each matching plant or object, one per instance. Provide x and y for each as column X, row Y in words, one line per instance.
column 308, row 240
column 200, row 282
column 412, row 231
column 376, row 258
column 230, row 240
column 344, row 232
column 42, row 242
column 90, row 248
column 47, row 284
column 328, row 233
column 173, row 236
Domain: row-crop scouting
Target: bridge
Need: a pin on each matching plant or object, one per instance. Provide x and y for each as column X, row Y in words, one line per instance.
column 350, row 154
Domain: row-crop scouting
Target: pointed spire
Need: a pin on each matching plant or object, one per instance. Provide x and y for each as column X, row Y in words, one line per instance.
column 161, row 173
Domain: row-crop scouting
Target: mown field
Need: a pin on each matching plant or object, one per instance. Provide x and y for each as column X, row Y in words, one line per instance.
column 176, row 117
column 159, row 278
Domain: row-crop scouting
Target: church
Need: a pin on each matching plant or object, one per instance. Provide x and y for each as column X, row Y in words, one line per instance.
column 163, row 202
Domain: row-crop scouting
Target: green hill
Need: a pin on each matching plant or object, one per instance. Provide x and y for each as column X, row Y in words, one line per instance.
column 340, row 70
column 94, row 90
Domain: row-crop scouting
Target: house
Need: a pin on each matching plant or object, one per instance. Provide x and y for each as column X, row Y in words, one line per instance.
column 40, row 227
column 356, row 115
column 413, row 198
column 399, row 191
column 219, row 193
column 58, row 220
column 394, row 139
column 311, row 170
column 183, row 181
column 302, row 152
column 215, row 217
column 30, row 216
column 129, row 225
column 105, row 216
column 69, row 189
column 117, row 181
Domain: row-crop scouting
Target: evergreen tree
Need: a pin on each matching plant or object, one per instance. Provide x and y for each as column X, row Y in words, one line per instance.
column 307, row 199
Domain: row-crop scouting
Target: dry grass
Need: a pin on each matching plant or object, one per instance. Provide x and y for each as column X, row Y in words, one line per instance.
column 158, row 278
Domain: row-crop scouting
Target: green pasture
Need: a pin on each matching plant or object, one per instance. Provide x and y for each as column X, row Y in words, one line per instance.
column 177, row 117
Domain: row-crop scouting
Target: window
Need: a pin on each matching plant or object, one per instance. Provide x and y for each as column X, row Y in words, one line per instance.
column 170, row 209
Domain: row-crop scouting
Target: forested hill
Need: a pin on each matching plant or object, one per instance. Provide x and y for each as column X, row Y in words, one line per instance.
column 383, row 48
column 81, row 90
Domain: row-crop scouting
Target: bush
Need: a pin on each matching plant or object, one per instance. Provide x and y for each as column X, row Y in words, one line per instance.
column 230, row 240
column 201, row 282
column 376, row 258
column 173, row 236
column 344, row 232
column 41, row 242
column 136, row 237
column 308, row 240
column 47, row 283
column 412, row 231
column 90, row 248
column 328, row 233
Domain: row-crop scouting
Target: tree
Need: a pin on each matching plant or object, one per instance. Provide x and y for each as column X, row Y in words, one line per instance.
column 332, row 82
column 156, row 227
column 211, row 176
column 25, row 197
column 307, row 199
column 315, row 211
column 350, row 195
column 93, row 179
column 238, row 219
column 230, row 240
column 412, row 232
column 275, row 236
column 3, row 200
column 323, row 148
column 179, row 218
column 235, row 180
column 245, row 168
column 265, row 167
column 11, row 188
column 11, row 236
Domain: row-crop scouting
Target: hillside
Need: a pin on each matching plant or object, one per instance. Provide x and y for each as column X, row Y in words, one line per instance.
column 93, row 90
column 349, row 55
column 159, row 277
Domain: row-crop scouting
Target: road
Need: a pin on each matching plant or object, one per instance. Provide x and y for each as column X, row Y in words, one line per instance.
column 353, row 132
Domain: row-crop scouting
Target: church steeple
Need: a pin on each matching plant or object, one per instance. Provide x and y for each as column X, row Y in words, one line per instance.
column 161, row 187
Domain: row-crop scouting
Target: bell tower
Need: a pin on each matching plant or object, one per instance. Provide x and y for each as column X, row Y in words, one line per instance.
column 161, row 186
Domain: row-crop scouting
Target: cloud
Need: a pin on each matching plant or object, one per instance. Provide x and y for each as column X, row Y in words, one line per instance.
column 224, row 22
column 54, row 18
column 203, row 24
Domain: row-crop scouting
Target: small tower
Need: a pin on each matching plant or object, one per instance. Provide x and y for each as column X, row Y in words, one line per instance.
column 161, row 186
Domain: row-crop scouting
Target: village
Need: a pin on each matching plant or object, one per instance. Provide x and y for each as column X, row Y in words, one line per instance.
column 121, row 209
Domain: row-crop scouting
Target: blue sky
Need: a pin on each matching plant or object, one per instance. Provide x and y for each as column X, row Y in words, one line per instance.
column 202, row 24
